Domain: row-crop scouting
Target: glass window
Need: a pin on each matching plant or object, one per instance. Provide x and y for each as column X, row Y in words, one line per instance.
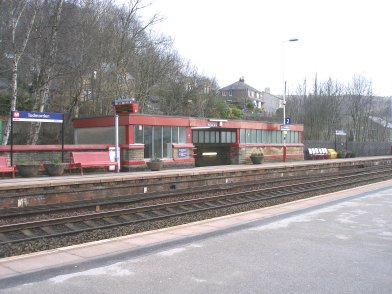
column 292, row 137
column 182, row 135
column 138, row 130
column 228, row 137
column 100, row 135
column 147, row 141
column 157, row 146
column 195, row 136
column 273, row 136
column 233, row 136
column 174, row 134
column 296, row 137
column 213, row 137
column 248, row 136
column 253, row 136
column 207, row 135
column 201, row 136
column 279, row 137
column 259, row 138
column 223, row 137
column 242, row 136
column 268, row 136
column 167, row 139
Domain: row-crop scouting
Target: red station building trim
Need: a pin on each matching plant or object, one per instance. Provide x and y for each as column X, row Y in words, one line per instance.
column 129, row 120
column 138, row 119
column 32, row 148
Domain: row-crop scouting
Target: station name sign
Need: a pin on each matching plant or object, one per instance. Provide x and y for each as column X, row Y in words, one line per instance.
column 37, row 116
column 284, row 128
column 340, row 133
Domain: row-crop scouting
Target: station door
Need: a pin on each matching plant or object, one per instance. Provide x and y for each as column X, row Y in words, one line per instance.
column 213, row 146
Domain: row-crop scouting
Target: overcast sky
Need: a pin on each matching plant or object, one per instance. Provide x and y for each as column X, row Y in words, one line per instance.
column 227, row 39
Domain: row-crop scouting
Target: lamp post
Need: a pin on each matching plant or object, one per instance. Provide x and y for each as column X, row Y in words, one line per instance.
column 284, row 97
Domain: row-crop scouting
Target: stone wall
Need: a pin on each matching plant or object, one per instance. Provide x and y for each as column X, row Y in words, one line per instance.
column 271, row 153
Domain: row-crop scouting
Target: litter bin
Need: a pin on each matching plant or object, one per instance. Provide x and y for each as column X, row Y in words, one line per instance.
column 332, row 154
column 112, row 155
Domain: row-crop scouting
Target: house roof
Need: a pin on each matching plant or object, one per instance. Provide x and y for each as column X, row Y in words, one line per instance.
column 239, row 85
column 381, row 121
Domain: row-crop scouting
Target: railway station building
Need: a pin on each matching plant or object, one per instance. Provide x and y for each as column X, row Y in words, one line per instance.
column 187, row 141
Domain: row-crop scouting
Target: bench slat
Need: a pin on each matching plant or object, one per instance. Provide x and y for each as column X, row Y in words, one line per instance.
column 90, row 159
column 5, row 168
column 318, row 153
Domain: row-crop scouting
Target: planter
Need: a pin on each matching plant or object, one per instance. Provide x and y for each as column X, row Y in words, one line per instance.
column 55, row 169
column 28, row 170
column 256, row 159
column 155, row 165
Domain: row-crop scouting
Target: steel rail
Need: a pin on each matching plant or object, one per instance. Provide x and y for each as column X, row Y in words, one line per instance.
column 21, row 232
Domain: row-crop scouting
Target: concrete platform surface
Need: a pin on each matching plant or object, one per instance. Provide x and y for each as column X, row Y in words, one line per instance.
column 334, row 243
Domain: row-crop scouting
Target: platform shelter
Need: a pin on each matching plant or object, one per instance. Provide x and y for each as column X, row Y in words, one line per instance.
column 188, row 141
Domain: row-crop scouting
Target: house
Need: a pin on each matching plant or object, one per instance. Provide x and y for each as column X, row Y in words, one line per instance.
column 242, row 94
column 271, row 102
column 380, row 130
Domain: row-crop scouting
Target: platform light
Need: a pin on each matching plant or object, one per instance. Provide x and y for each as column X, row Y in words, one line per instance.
column 199, row 128
column 217, row 120
column 209, row 153
column 284, row 94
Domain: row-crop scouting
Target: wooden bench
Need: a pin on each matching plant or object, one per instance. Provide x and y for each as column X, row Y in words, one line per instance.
column 318, row 153
column 90, row 159
column 5, row 168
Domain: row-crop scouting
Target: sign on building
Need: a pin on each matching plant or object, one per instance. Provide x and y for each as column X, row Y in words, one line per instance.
column 182, row 152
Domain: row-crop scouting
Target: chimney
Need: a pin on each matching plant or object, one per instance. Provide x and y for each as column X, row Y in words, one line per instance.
column 242, row 79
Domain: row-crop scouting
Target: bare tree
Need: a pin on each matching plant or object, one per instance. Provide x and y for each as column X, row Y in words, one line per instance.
column 46, row 74
column 82, row 54
column 19, row 39
column 360, row 106
column 332, row 93
column 88, row 27
column 150, row 65
column 321, row 111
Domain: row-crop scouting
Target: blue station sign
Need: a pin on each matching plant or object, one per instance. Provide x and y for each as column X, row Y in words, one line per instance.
column 31, row 116
column 182, row 152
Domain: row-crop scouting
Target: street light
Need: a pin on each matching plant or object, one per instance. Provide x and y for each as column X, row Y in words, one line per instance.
column 284, row 97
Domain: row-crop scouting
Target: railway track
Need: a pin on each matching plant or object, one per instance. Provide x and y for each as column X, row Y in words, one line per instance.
column 197, row 204
column 138, row 199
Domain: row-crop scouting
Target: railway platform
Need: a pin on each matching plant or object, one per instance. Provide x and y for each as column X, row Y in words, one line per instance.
column 333, row 243
column 27, row 192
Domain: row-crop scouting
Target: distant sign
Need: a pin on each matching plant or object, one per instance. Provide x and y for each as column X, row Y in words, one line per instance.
column 37, row 116
column 182, row 152
column 340, row 133
column 125, row 105
column 287, row 120
column 284, row 128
